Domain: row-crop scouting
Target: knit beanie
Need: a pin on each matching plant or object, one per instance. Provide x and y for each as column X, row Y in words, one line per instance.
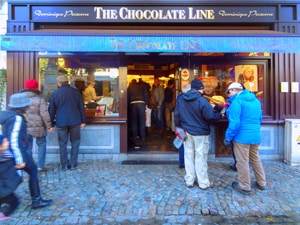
column 197, row 84
column 31, row 84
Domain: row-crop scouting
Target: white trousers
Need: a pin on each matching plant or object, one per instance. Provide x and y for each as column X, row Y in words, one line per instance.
column 195, row 158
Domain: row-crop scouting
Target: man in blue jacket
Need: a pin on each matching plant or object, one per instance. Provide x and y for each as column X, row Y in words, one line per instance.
column 244, row 116
column 194, row 114
column 67, row 113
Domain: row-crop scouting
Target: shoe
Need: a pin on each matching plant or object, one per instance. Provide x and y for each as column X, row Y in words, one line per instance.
column 64, row 168
column 43, row 169
column 233, row 167
column 260, row 187
column 236, row 187
column 181, row 166
column 40, row 203
column 190, row 185
column 3, row 217
column 211, row 184
column 73, row 168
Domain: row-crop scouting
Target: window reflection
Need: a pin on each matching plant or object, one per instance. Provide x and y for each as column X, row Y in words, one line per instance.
column 103, row 99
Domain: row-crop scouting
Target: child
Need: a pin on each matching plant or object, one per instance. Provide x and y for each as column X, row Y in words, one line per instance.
column 9, row 180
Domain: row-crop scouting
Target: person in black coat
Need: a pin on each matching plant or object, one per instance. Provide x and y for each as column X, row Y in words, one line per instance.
column 9, row 180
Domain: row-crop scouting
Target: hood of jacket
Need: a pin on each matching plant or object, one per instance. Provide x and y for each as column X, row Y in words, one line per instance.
column 191, row 95
column 243, row 95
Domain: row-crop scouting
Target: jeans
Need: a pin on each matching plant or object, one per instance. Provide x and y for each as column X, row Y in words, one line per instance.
column 63, row 136
column 138, row 119
column 195, row 157
column 158, row 117
column 181, row 155
column 245, row 153
column 41, row 143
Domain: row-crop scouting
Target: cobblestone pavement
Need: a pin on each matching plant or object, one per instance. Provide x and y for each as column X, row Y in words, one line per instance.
column 107, row 192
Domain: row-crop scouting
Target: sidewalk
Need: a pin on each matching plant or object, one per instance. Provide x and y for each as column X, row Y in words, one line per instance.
column 107, row 192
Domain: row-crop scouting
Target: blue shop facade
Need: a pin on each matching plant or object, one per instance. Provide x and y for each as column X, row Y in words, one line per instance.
column 114, row 42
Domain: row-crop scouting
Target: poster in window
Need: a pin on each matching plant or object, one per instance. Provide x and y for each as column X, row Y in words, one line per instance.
column 247, row 75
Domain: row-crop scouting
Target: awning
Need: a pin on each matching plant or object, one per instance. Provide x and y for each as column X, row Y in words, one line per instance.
column 151, row 41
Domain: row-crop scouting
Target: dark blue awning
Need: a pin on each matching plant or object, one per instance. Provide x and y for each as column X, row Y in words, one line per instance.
column 151, row 41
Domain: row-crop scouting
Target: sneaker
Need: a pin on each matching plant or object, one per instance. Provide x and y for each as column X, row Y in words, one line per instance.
column 73, row 168
column 190, row 185
column 211, row 184
column 3, row 217
column 260, row 187
column 236, row 187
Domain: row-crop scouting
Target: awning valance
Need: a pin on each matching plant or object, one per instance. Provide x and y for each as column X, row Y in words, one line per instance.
column 151, row 41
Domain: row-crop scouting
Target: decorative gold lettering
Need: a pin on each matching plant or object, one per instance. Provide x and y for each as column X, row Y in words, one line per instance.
column 255, row 13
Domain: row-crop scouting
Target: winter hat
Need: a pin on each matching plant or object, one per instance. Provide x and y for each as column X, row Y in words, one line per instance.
column 197, row 84
column 31, row 84
column 18, row 100
column 234, row 85
column 62, row 79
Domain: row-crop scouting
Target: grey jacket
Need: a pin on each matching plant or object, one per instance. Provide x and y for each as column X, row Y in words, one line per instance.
column 37, row 115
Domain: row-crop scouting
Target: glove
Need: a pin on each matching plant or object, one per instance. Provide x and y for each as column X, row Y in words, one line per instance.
column 227, row 142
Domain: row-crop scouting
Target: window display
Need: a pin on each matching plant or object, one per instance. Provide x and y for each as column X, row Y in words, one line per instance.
column 102, row 84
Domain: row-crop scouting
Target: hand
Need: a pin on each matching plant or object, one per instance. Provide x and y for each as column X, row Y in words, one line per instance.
column 20, row 166
column 227, row 142
column 82, row 125
column 51, row 129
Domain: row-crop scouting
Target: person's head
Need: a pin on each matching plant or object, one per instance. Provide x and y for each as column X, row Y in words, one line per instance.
column 62, row 79
column 90, row 83
column 79, row 83
column 31, row 84
column 19, row 102
column 170, row 83
column 234, row 88
column 156, row 81
column 4, row 143
column 197, row 85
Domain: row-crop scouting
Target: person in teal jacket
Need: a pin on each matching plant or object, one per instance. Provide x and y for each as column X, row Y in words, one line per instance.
column 245, row 116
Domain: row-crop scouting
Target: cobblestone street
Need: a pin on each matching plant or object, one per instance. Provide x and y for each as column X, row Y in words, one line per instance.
column 107, row 192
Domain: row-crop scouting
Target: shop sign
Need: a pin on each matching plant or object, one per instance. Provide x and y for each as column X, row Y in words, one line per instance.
column 159, row 14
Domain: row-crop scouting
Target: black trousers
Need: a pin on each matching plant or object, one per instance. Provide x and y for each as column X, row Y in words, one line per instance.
column 8, row 204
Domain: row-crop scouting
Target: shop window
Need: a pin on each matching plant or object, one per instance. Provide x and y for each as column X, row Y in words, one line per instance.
column 104, row 81
column 217, row 78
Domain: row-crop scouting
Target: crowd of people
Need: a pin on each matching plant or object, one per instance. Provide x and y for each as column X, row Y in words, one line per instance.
column 28, row 118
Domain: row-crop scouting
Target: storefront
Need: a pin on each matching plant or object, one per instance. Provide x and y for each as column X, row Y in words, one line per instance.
column 111, row 43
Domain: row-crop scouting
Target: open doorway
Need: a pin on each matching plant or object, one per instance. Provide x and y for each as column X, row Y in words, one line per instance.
column 158, row 138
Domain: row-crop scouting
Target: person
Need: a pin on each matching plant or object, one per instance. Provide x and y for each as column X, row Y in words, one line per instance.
column 158, row 95
column 138, row 100
column 89, row 93
column 80, row 85
column 38, row 121
column 15, row 129
column 169, row 104
column 194, row 114
column 244, row 116
column 67, row 113
column 9, row 180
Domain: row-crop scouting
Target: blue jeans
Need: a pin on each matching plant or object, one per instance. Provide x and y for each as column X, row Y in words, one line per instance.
column 158, row 117
column 181, row 155
column 63, row 136
column 41, row 143
column 138, row 119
